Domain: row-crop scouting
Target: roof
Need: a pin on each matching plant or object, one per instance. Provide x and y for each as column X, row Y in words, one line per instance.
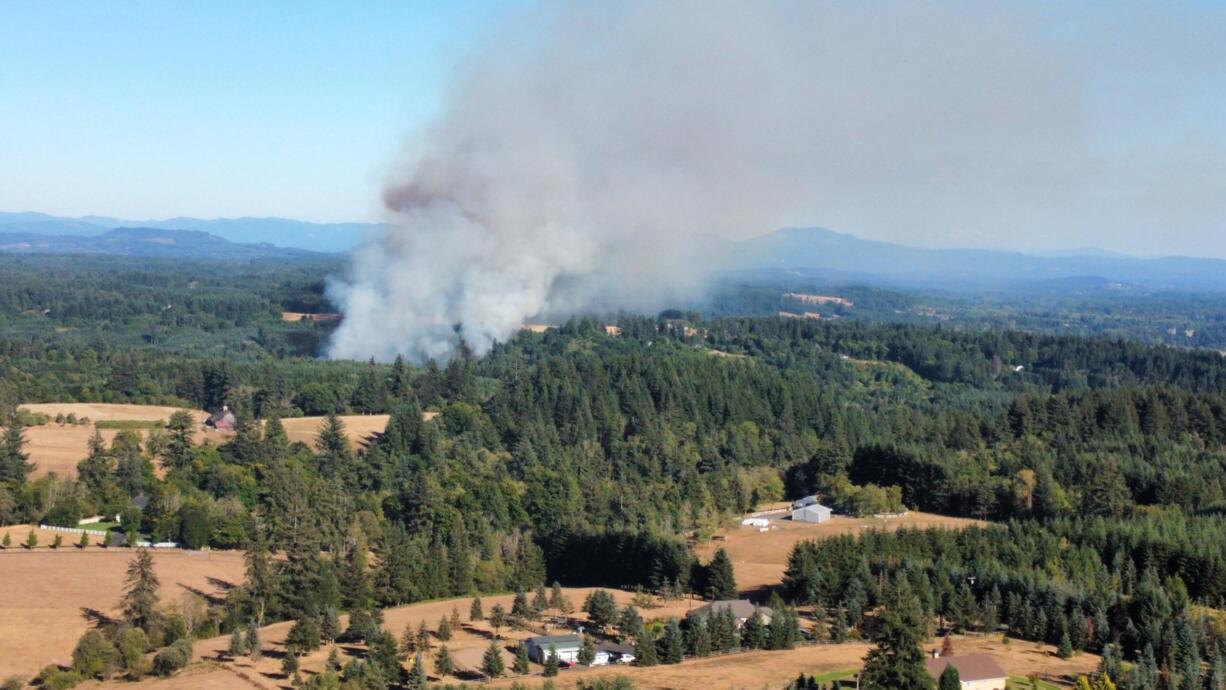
column 555, row 640
column 615, row 648
column 741, row 608
column 221, row 415
column 971, row 667
column 806, row 501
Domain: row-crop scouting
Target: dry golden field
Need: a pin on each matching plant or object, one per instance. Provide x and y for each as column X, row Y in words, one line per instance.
column 45, row 594
column 760, row 558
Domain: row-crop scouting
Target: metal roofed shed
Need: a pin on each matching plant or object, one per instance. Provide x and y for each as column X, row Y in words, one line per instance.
column 565, row 646
column 813, row 512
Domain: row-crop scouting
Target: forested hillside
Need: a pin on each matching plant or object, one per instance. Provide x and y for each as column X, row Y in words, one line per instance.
column 588, row 458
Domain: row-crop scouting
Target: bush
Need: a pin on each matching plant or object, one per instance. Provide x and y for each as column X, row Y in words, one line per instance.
column 66, row 513
column 13, row 683
column 94, row 655
column 52, row 678
column 172, row 658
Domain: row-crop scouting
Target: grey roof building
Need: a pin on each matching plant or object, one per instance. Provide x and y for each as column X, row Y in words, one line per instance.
column 565, row 646
column 742, row 610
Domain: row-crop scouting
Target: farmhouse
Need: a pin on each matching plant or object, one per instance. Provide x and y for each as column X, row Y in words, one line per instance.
column 222, row 419
column 565, row 646
column 976, row 671
column 808, row 509
column 742, row 610
column 613, row 653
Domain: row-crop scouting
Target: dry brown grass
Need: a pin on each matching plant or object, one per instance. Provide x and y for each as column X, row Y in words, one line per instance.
column 59, row 447
column 760, row 558
column 44, row 595
column 359, row 428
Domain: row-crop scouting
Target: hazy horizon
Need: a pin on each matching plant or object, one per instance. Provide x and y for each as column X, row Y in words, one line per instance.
column 1038, row 128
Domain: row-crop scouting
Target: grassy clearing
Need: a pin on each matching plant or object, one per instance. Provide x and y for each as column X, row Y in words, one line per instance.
column 98, row 526
column 130, row 424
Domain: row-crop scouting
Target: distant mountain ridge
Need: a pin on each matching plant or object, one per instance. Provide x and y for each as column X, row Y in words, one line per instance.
column 281, row 232
column 790, row 255
column 146, row 243
column 824, row 254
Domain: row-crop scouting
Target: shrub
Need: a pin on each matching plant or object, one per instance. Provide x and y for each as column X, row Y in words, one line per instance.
column 172, row 658
column 94, row 655
column 13, row 683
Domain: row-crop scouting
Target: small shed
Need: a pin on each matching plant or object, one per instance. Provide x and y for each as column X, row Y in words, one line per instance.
column 814, row 512
column 565, row 646
column 222, row 419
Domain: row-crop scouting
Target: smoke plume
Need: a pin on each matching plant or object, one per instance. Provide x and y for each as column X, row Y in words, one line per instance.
column 589, row 154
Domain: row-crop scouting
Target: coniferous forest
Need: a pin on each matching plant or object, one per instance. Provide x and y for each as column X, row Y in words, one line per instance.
column 586, row 458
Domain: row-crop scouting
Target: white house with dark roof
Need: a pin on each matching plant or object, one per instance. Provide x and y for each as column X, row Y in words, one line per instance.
column 565, row 646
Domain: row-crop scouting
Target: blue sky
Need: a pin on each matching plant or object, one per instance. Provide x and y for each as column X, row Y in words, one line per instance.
column 1040, row 125
column 153, row 109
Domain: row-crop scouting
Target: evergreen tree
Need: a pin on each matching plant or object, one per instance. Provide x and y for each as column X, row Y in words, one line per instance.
column 31, row 540
column 587, row 652
column 521, row 665
column 255, row 648
column 444, row 629
column 443, row 665
column 897, row 661
column 14, row 467
column 721, row 582
column 950, row 680
column 601, row 608
column 304, row 635
column 491, row 664
column 672, row 643
column 520, row 608
column 289, row 663
column 498, row 618
column 475, row 614
column 179, row 447
column 140, row 599
column 556, row 596
column 238, row 646
column 540, row 601
column 645, row 650
column 417, row 679
column 753, row 633
column 330, row 625
column 551, row 663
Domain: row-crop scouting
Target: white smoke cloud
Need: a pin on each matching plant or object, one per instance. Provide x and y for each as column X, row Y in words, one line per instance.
column 589, row 153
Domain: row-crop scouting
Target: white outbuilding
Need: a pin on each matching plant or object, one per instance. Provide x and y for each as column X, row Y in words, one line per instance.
column 813, row 512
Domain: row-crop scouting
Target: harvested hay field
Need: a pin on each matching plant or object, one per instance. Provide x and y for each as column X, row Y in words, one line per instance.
column 358, row 428
column 59, row 447
column 776, row 669
column 45, row 595
column 760, row 558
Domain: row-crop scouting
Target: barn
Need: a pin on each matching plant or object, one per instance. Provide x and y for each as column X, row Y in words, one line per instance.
column 222, row 419
column 812, row 512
